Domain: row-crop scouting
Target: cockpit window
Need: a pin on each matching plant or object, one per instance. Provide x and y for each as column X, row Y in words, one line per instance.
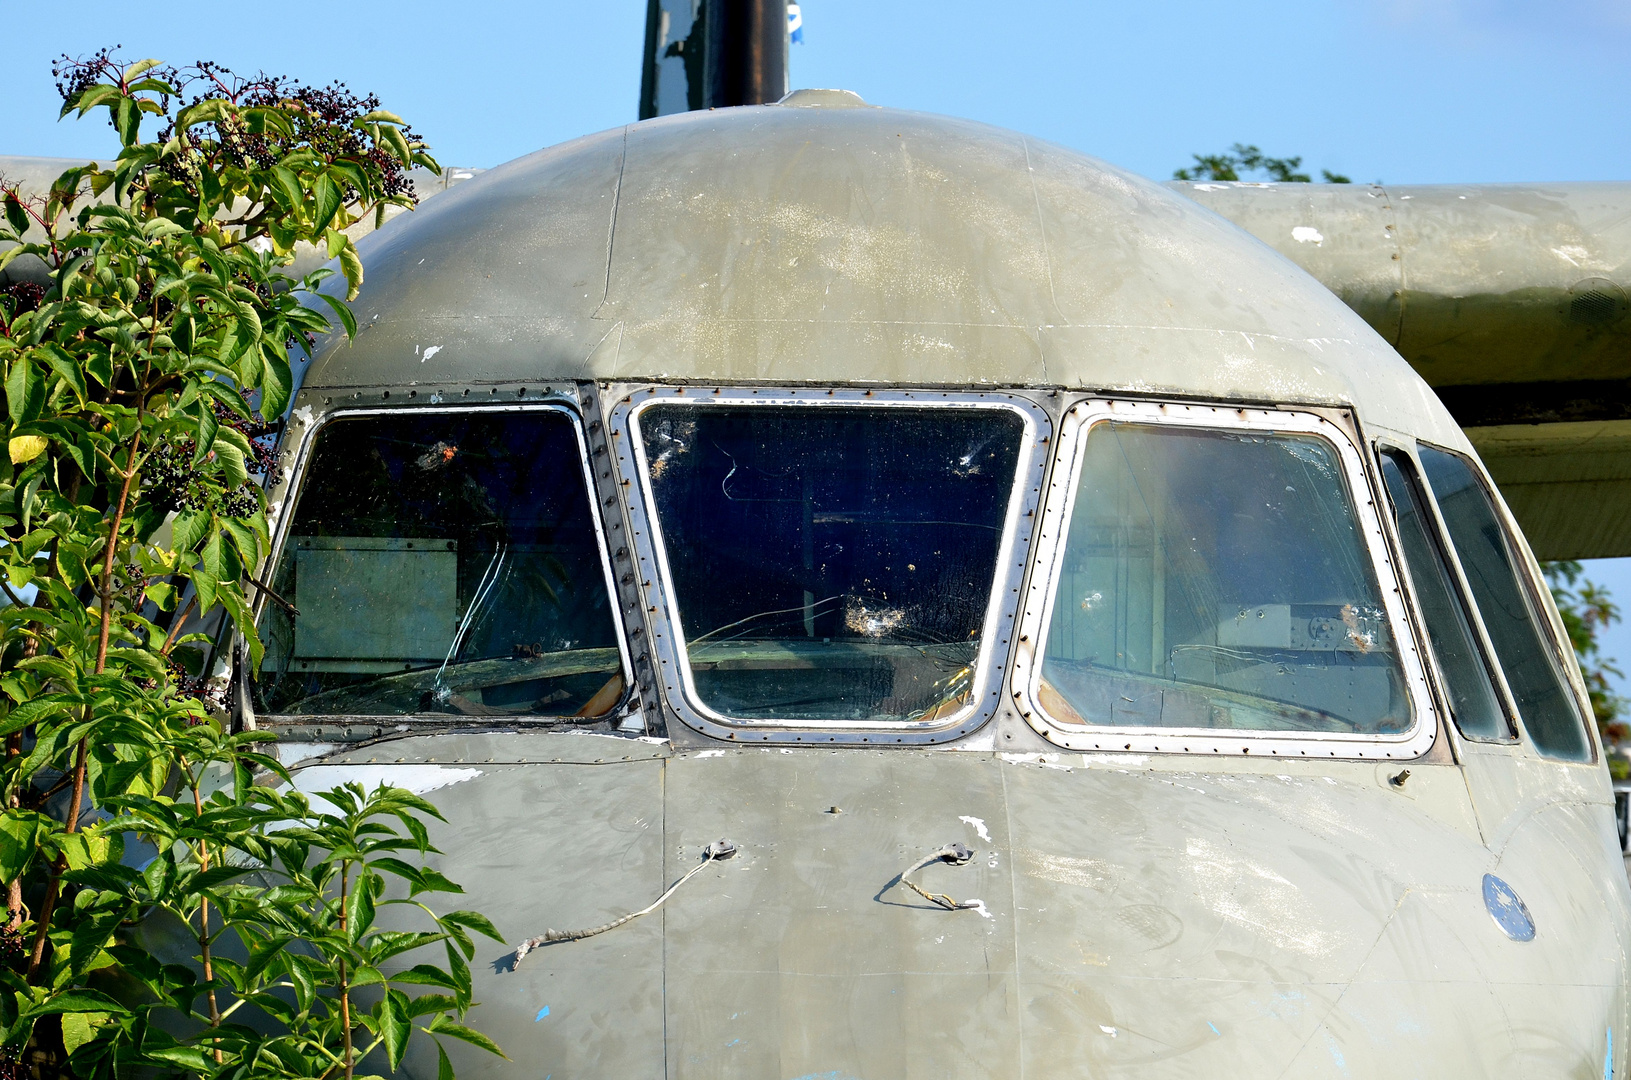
column 1547, row 705
column 1468, row 682
column 831, row 563
column 446, row 565
column 1217, row 580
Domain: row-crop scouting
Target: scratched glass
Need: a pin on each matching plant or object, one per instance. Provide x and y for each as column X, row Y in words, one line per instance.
column 1217, row 580
column 442, row 565
column 1530, row 658
column 832, row 563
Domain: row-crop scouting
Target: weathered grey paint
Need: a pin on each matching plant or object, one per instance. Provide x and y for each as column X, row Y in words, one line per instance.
column 1148, row 916
column 1161, row 915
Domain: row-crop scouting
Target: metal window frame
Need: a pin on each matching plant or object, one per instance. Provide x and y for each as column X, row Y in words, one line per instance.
column 1532, row 584
column 565, row 403
column 1078, row 421
column 1462, row 595
column 662, row 609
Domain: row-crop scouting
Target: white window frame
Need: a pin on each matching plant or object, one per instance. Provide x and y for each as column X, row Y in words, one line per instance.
column 564, row 403
column 662, row 609
column 1077, row 423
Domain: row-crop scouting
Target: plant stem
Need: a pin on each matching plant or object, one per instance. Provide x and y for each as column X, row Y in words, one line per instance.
column 345, row 988
column 170, row 638
column 204, row 919
column 42, row 925
column 14, row 887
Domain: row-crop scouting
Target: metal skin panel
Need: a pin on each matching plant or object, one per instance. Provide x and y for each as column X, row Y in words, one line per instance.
column 852, row 244
column 1146, row 916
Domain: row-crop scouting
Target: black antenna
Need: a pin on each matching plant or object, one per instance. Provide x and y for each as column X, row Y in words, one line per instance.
column 704, row 54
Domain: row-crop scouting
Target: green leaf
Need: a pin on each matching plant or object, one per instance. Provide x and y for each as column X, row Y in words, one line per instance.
column 25, row 448
column 351, row 266
column 276, row 388
column 287, row 185
column 83, row 849
column 392, row 1014
column 188, row 529
column 444, row 1067
column 215, row 559
column 206, row 111
column 244, row 539
column 16, row 217
column 327, row 193
column 20, row 835
column 76, row 1000
column 140, row 67
column 79, row 1028
column 360, row 907
column 208, row 425
column 232, row 463
column 163, row 594
column 21, row 386
column 64, row 365
column 190, row 1058
column 206, row 585
column 475, row 921
column 393, row 137
column 89, row 98
column 444, row 1026
column 342, row 311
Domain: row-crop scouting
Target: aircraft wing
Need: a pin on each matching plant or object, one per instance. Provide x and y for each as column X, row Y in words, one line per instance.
column 1511, row 300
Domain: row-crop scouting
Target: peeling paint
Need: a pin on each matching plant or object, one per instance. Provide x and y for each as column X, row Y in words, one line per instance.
column 978, row 824
column 418, row 779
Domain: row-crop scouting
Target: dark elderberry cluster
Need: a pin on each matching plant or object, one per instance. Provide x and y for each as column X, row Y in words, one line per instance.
column 322, row 118
column 172, row 483
column 169, row 479
column 17, row 297
column 14, row 953
column 211, row 693
column 74, row 76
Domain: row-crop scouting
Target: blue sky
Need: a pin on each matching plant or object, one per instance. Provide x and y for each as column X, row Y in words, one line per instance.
column 1404, row 90
column 1408, row 91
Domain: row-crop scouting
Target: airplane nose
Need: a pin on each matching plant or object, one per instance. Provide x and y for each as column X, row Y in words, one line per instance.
column 1111, row 914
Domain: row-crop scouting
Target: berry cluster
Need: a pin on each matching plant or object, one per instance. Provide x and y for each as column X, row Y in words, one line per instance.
column 172, row 483
column 212, row 693
column 323, row 118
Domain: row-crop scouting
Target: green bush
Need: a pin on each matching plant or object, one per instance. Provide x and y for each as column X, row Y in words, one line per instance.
column 145, row 337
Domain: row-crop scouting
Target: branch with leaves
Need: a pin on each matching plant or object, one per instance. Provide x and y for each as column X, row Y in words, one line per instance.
column 1242, row 162
column 146, row 326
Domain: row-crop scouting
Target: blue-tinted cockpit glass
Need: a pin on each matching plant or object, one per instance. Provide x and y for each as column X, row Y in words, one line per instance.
column 442, row 564
column 831, row 563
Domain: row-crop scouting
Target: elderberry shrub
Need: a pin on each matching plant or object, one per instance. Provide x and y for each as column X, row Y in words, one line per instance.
column 323, row 119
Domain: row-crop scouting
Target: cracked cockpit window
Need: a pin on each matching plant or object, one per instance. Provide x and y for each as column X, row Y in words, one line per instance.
column 1217, row 579
column 832, row 563
column 442, row 564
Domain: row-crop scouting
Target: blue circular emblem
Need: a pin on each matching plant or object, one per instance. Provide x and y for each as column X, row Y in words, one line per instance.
column 1507, row 910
